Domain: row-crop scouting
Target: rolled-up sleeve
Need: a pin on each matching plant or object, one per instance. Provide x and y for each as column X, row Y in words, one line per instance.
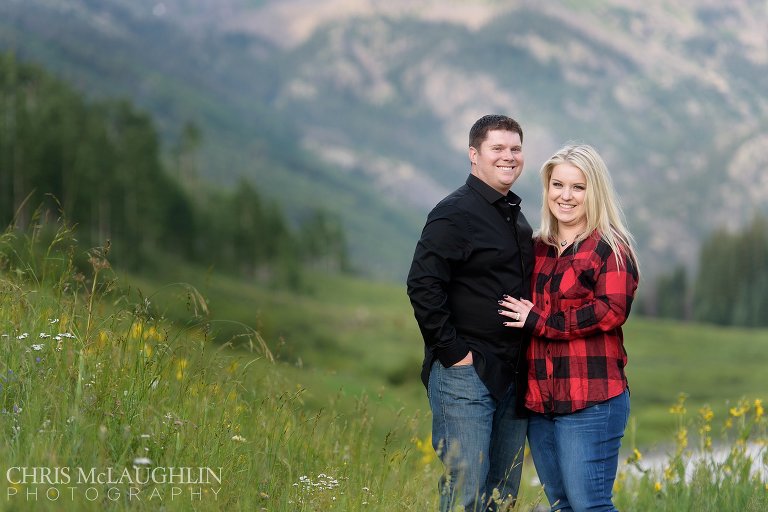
column 614, row 289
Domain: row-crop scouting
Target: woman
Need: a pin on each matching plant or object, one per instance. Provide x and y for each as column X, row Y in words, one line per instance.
column 584, row 280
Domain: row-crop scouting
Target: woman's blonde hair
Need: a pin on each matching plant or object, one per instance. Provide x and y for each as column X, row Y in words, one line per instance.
column 601, row 203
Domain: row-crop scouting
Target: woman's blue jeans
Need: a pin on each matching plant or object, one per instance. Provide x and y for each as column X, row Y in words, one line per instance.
column 479, row 439
column 576, row 455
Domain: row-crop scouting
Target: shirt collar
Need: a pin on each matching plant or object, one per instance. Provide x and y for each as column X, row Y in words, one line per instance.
column 489, row 193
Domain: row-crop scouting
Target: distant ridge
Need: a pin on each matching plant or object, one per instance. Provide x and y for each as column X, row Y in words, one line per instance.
column 364, row 106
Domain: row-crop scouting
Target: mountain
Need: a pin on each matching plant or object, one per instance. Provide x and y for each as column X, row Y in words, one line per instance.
column 363, row 106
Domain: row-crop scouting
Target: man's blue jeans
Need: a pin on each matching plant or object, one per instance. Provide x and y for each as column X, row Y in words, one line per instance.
column 479, row 439
column 576, row 455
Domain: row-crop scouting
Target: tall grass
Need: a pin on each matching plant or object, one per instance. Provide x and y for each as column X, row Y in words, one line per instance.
column 101, row 396
column 97, row 383
column 709, row 466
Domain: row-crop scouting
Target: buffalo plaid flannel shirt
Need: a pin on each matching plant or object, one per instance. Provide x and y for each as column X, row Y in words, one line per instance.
column 581, row 298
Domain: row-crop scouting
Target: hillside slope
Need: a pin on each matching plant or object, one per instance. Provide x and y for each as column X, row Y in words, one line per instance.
column 364, row 106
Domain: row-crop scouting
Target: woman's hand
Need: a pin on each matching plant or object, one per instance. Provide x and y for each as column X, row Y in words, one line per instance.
column 515, row 310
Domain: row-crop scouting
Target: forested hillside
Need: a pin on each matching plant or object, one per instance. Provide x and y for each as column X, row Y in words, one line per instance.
column 226, row 86
column 99, row 166
column 363, row 107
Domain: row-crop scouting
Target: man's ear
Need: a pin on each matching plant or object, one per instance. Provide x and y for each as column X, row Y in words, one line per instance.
column 472, row 155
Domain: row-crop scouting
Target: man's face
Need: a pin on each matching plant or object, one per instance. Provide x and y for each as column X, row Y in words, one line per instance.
column 499, row 159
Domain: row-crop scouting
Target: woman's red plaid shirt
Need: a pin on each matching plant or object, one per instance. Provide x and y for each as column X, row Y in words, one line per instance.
column 581, row 299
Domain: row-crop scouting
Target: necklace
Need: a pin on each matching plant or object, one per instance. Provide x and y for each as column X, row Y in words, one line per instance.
column 564, row 243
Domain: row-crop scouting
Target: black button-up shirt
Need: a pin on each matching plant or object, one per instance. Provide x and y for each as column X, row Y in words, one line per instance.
column 475, row 247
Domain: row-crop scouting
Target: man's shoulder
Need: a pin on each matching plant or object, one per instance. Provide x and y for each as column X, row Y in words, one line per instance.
column 457, row 200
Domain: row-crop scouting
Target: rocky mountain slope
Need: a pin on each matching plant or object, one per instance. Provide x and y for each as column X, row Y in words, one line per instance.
column 364, row 105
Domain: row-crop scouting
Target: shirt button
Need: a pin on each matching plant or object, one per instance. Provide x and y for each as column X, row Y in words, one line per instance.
column 507, row 219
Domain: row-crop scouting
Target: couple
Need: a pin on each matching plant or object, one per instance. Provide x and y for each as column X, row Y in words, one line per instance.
column 523, row 334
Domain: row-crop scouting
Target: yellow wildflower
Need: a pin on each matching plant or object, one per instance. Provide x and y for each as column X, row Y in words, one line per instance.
column 759, row 409
column 426, row 450
column 635, row 456
column 137, row 330
column 740, row 410
column 621, row 477
column 737, row 411
column 181, row 365
column 153, row 333
column 657, row 486
column 679, row 407
column 706, row 413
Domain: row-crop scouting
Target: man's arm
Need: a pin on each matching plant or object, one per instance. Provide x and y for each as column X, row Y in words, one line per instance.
column 443, row 245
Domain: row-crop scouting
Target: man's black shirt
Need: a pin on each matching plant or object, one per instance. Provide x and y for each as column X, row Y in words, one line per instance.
column 475, row 247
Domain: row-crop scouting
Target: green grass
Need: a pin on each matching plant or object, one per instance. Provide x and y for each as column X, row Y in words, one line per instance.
column 712, row 365
column 95, row 382
column 337, row 420
column 358, row 336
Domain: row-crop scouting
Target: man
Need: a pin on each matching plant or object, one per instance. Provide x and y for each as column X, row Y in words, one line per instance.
column 476, row 247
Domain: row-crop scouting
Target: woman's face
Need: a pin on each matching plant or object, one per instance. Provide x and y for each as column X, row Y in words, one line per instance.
column 566, row 194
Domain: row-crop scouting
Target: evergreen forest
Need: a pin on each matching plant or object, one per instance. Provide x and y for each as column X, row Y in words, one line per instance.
column 100, row 167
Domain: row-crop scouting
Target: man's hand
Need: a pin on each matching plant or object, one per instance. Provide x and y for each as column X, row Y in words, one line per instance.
column 466, row 361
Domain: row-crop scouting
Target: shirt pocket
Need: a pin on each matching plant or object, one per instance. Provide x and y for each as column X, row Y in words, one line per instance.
column 579, row 282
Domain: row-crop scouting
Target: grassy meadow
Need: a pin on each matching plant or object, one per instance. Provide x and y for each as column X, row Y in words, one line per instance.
column 192, row 390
